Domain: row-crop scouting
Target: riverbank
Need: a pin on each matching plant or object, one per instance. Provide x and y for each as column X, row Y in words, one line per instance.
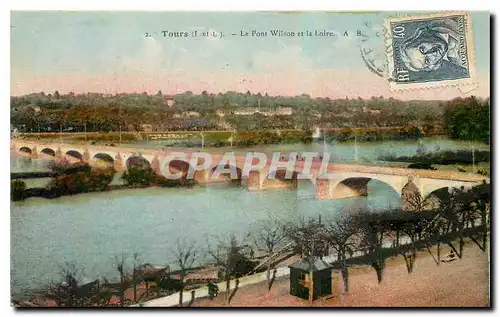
column 49, row 193
column 460, row 283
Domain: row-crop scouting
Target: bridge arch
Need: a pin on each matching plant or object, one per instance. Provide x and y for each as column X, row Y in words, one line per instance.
column 48, row 151
column 444, row 193
column 434, row 198
column 278, row 179
column 178, row 167
column 137, row 162
column 25, row 149
column 346, row 186
column 104, row 157
column 103, row 160
column 75, row 154
column 226, row 176
column 358, row 186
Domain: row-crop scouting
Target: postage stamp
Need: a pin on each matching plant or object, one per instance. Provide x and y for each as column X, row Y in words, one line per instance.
column 428, row 51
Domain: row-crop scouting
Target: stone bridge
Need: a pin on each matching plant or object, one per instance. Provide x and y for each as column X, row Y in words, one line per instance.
column 331, row 181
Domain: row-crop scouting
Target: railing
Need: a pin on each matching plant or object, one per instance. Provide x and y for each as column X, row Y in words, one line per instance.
column 269, row 258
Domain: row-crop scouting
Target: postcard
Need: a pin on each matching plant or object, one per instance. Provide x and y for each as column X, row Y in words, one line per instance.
column 250, row 159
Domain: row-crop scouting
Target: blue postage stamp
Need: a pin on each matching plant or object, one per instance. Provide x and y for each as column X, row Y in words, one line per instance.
column 430, row 51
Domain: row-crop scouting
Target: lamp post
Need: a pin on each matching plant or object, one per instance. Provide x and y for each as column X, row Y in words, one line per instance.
column 355, row 143
column 324, row 142
column 473, row 157
column 355, row 148
column 120, row 118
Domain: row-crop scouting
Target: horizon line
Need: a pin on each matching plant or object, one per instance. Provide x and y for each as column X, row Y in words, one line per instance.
column 107, row 94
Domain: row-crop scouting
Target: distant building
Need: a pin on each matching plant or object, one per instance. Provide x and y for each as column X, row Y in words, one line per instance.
column 148, row 128
column 317, row 133
column 372, row 111
column 246, row 111
column 190, row 114
column 187, row 114
column 284, row 111
column 281, row 111
column 169, row 101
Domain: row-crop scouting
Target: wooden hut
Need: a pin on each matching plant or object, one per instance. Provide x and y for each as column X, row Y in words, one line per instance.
column 310, row 274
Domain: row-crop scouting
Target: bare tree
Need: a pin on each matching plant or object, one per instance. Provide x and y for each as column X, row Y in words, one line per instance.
column 135, row 275
column 341, row 233
column 228, row 255
column 374, row 227
column 125, row 283
column 310, row 238
column 455, row 210
column 412, row 199
column 65, row 293
column 480, row 204
column 268, row 236
column 71, row 293
column 417, row 227
column 185, row 254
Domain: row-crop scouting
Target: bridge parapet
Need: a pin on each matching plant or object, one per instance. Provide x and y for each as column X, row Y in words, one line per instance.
column 127, row 151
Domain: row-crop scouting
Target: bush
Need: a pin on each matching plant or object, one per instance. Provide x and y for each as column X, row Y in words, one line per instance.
column 82, row 181
column 139, row 176
column 422, row 166
column 483, row 172
column 442, row 158
column 17, row 190
column 182, row 182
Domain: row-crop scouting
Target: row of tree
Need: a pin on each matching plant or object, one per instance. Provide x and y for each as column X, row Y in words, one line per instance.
column 98, row 112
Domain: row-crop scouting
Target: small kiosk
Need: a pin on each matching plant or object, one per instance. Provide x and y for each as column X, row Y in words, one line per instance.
column 310, row 273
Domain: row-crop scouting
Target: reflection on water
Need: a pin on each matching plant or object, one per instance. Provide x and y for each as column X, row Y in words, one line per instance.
column 23, row 165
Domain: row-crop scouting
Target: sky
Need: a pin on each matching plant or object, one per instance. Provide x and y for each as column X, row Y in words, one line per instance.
column 115, row 52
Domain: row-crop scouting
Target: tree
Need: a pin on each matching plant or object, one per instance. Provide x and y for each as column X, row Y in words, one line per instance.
column 415, row 227
column 229, row 255
column 374, row 227
column 71, row 293
column 268, row 236
column 65, row 293
column 460, row 209
column 135, row 275
column 467, row 119
column 309, row 237
column 341, row 231
column 412, row 199
column 18, row 190
column 124, row 283
column 453, row 208
column 185, row 254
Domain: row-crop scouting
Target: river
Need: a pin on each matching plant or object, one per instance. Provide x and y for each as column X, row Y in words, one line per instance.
column 90, row 229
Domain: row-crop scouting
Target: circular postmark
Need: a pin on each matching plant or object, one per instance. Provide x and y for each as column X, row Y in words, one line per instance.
column 372, row 48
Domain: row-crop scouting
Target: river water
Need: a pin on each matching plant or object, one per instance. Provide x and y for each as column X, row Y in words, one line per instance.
column 90, row 229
